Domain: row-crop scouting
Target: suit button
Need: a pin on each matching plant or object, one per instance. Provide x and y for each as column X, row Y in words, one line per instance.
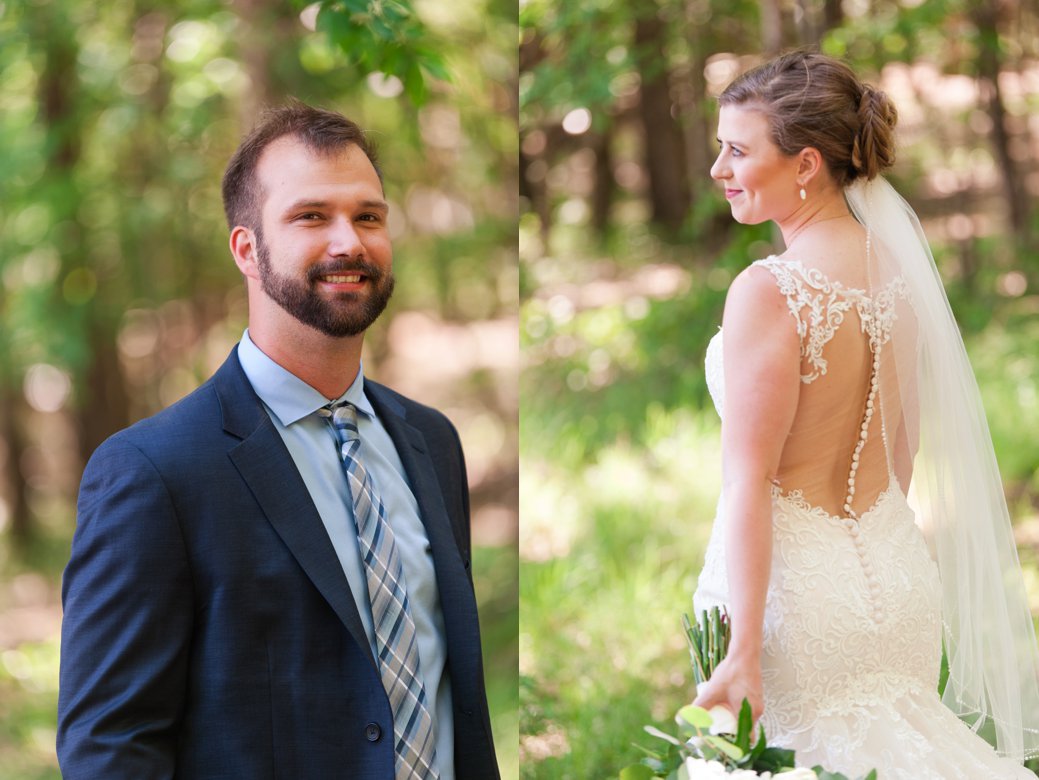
column 372, row 732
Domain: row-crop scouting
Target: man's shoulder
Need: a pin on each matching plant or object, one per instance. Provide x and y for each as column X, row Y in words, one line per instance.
column 409, row 408
column 185, row 425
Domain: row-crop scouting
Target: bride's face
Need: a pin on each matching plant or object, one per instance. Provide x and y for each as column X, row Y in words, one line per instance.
column 760, row 181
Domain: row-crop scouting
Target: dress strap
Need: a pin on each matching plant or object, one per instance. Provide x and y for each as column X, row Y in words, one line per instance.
column 790, row 284
column 817, row 305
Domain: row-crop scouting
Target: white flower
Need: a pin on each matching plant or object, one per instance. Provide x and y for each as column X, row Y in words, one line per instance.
column 801, row 773
column 722, row 720
column 698, row 769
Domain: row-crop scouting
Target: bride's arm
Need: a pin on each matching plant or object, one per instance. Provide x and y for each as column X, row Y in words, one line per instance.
column 762, row 382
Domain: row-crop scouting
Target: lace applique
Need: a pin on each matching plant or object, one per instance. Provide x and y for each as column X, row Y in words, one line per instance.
column 818, row 307
column 841, row 688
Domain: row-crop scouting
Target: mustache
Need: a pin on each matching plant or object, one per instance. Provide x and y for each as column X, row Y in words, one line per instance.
column 373, row 272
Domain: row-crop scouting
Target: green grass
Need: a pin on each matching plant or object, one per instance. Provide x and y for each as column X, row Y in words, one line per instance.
column 29, row 671
column 495, row 576
column 609, row 560
column 28, row 702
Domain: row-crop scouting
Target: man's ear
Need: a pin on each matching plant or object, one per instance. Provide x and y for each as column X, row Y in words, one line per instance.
column 244, row 250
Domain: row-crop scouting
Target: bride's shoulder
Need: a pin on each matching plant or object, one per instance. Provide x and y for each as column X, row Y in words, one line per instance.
column 757, row 313
column 758, row 291
column 765, row 278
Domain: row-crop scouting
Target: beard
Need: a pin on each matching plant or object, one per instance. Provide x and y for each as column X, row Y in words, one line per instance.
column 346, row 314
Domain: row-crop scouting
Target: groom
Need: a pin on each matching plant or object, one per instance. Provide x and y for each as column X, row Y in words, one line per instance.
column 271, row 578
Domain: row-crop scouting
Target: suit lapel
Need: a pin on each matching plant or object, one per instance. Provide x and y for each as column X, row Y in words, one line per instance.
column 457, row 601
column 267, row 468
column 415, row 457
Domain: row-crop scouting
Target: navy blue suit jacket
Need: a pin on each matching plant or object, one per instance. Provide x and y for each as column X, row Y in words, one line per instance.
column 209, row 629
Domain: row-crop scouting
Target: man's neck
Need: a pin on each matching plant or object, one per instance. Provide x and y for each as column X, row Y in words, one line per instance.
column 327, row 364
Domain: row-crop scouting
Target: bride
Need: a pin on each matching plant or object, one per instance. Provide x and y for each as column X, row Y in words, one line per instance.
column 845, row 388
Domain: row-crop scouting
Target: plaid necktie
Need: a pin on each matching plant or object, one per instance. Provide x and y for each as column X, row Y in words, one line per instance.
column 395, row 639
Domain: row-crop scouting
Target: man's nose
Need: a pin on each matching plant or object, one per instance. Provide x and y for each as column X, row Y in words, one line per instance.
column 344, row 239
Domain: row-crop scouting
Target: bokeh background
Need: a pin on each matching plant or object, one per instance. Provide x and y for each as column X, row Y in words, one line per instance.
column 626, row 251
column 118, row 294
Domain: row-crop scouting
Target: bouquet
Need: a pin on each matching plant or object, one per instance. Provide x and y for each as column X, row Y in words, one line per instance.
column 713, row 743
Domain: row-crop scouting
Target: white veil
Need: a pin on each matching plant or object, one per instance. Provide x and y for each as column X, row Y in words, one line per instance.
column 940, row 433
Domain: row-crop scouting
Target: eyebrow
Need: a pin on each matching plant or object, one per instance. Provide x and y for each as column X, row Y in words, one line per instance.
column 322, row 204
column 731, row 143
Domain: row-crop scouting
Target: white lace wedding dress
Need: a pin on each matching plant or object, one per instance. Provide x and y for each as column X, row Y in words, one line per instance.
column 852, row 631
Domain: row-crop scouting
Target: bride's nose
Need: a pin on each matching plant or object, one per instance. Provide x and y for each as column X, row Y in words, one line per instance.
column 719, row 170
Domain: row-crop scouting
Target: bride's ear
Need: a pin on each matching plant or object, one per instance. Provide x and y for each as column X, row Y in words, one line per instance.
column 809, row 164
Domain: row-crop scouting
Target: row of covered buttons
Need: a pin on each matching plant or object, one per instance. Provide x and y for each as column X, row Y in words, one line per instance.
column 872, row 581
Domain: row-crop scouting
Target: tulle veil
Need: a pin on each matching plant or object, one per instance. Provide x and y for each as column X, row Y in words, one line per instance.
column 934, row 425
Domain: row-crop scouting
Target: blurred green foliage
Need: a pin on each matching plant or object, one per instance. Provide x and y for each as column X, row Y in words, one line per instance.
column 117, row 292
column 618, row 438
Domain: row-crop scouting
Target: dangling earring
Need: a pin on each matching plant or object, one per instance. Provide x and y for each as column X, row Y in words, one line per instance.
column 804, row 195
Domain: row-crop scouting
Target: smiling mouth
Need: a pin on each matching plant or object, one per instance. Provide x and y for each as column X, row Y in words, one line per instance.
column 730, row 194
column 342, row 278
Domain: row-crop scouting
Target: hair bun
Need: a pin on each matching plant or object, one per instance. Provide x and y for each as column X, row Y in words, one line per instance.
column 814, row 100
column 873, row 150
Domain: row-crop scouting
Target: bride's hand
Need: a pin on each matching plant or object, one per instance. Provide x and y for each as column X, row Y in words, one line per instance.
column 734, row 680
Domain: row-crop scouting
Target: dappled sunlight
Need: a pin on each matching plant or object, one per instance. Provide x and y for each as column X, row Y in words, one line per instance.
column 622, row 290
column 550, row 743
column 609, row 552
column 468, row 371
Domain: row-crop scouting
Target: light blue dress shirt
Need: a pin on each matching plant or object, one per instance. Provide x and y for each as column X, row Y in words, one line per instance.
column 291, row 404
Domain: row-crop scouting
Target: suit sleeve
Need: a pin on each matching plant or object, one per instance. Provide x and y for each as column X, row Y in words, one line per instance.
column 126, row 632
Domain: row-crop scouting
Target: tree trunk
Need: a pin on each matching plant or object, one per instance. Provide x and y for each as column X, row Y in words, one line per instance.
column 833, row 15
column 57, row 91
column 771, row 27
column 262, row 39
column 105, row 407
column 665, row 156
column 985, row 17
column 12, row 413
column 602, row 194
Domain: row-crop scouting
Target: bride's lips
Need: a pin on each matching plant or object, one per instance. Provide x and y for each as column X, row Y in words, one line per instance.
column 730, row 194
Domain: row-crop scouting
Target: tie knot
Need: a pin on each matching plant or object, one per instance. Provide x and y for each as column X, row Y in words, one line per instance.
column 344, row 419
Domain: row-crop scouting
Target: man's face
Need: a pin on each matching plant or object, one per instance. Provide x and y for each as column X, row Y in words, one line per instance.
column 323, row 253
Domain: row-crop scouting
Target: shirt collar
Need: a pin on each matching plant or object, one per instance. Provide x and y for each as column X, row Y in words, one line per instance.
column 288, row 397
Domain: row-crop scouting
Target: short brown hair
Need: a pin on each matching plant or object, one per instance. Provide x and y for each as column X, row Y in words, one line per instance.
column 814, row 100
column 318, row 129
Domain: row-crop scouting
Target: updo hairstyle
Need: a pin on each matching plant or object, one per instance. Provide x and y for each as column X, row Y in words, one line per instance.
column 814, row 100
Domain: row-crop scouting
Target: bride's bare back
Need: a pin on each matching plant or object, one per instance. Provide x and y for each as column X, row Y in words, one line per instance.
column 849, row 404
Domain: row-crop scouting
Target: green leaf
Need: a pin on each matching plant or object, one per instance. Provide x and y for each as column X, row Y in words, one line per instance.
column 655, row 732
column 351, row 6
column 760, row 746
column 723, row 745
column 773, row 759
column 697, row 717
column 414, row 84
column 650, row 753
column 822, row 774
column 745, row 727
column 433, row 64
column 636, row 772
column 658, row 765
